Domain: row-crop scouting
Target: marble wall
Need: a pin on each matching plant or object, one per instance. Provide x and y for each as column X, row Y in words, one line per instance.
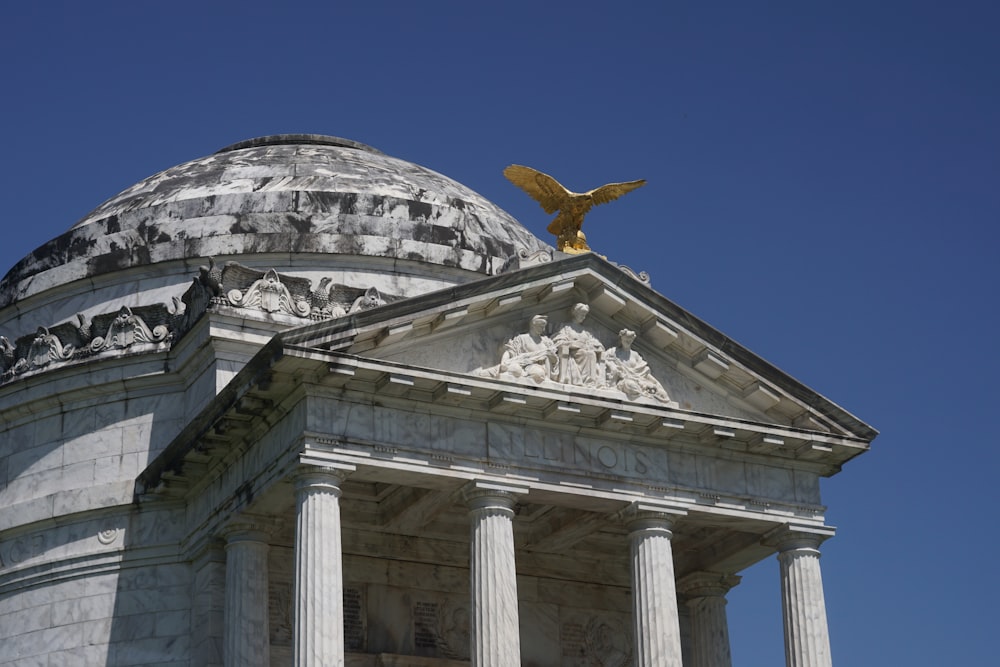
column 137, row 616
column 104, row 587
column 81, row 455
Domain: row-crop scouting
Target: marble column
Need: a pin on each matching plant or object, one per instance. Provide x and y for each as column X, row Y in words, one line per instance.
column 705, row 593
column 245, row 628
column 496, row 635
column 208, row 604
column 807, row 637
column 655, row 622
column 318, row 639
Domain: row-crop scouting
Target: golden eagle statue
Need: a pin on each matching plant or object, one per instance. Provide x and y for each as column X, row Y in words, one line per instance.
column 572, row 206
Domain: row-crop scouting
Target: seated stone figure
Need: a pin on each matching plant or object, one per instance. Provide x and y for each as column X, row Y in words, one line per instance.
column 580, row 352
column 528, row 355
column 628, row 372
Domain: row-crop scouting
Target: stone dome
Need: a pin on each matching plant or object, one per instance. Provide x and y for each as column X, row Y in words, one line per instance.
column 285, row 194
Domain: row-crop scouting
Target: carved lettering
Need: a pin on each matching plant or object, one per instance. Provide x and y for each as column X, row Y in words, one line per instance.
column 641, row 462
column 552, row 449
column 425, row 620
column 531, row 447
column 280, row 613
column 607, row 457
column 354, row 620
column 572, row 640
column 581, row 454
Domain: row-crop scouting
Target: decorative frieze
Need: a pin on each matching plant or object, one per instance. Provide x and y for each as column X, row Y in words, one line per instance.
column 155, row 326
column 148, row 327
column 271, row 292
column 268, row 294
column 44, row 349
column 127, row 329
column 574, row 356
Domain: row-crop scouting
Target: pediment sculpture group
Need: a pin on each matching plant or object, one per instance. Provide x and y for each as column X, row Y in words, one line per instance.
column 575, row 356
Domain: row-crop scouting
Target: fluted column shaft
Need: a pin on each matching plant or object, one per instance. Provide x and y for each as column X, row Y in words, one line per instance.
column 654, row 593
column 807, row 637
column 208, row 605
column 495, row 635
column 319, row 579
column 706, row 600
column 245, row 626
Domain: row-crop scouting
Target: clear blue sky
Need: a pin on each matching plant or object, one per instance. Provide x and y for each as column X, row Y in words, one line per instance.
column 824, row 187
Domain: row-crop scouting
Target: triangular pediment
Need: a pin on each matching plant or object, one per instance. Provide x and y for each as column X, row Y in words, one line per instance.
column 676, row 362
column 424, row 382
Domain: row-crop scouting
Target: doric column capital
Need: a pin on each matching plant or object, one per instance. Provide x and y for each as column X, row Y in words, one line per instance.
column 248, row 528
column 211, row 549
column 648, row 517
column 790, row 537
column 483, row 494
column 321, row 477
column 706, row 584
column 807, row 638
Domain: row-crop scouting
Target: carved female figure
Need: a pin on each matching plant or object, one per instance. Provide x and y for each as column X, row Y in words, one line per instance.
column 531, row 354
column 629, row 373
column 579, row 352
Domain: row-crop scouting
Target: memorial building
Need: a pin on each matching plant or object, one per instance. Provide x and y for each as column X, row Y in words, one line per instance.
column 303, row 403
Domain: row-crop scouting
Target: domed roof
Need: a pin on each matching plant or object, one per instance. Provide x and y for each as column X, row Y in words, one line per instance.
column 284, row 194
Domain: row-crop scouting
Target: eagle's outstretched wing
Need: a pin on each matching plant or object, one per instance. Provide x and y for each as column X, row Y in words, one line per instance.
column 612, row 191
column 546, row 190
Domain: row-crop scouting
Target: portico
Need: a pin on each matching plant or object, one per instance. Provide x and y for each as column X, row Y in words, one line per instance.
column 424, row 515
column 497, row 540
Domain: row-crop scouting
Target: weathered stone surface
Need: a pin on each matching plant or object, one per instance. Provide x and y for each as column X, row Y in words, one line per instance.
column 308, row 303
column 281, row 195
